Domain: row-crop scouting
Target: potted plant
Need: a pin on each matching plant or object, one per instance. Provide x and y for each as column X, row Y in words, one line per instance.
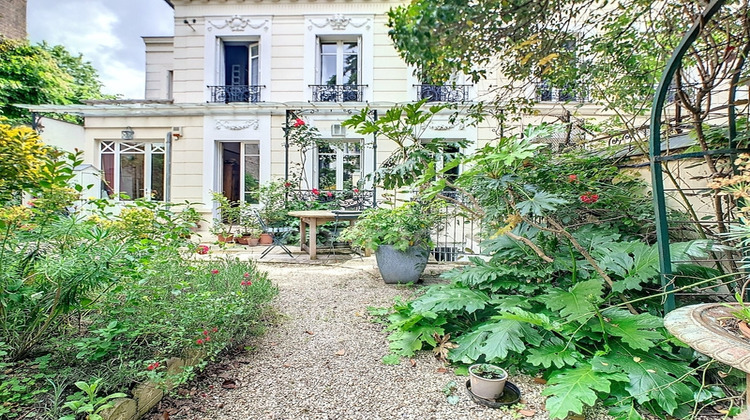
column 399, row 236
column 487, row 380
column 228, row 218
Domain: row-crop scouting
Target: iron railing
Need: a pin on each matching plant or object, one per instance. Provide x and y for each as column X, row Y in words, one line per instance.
column 457, row 234
column 338, row 93
column 235, row 93
column 571, row 93
column 443, row 93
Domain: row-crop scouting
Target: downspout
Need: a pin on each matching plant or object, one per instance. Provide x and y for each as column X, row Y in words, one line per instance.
column 168, row 169
column 374, row 160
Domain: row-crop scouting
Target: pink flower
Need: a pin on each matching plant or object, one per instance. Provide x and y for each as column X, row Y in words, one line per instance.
column 202, row 249
column 153, row 366
column 572, row 178
column 214, row 271
column 356, row 190
column 199, row 341
column 287, row 184
column 246, row 283
column 246, row 275
column 329, row 194
column 205, row 332
column 30, row 203
column 299, row 122
column 208, row 339
column 315, row 191
column 215, row 329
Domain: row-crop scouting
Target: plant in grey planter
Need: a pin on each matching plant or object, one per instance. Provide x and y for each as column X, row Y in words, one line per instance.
column 400, row 237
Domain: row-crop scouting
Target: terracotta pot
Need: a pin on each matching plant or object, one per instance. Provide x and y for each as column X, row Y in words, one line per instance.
column 266, row 239
column 242, row 240
column 489, row 389
column 228, row 238
column 253, row 241
column 744, row 329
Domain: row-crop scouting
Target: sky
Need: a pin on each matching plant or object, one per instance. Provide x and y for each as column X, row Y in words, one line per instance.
column 108, row 34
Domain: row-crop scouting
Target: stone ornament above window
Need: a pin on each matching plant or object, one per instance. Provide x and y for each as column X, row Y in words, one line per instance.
column 238, row 23
column 338, row 23
column 236, row 125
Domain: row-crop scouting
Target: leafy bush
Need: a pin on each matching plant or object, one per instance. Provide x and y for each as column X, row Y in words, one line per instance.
column 90, row 294
column 571, row 290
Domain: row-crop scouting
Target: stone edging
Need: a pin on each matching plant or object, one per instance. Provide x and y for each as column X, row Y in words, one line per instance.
column 146, row 395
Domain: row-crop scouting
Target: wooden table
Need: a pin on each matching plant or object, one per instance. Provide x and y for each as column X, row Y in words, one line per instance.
column 311, row 219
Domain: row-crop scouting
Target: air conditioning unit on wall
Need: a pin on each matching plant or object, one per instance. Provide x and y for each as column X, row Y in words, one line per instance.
column 338, row 130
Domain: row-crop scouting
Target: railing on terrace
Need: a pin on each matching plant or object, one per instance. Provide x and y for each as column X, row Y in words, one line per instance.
column 547, row 93
column 338, row 93
column 456, row 234
column 235, row 93
column 443, row 93
column 331, row 199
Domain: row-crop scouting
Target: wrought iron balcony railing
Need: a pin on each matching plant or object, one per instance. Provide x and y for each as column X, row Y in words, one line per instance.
column 572, row 93
column 443, row 93
column 235, row 93
column 338, row 93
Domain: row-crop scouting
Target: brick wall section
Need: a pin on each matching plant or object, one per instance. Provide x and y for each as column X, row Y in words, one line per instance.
column 13, row 19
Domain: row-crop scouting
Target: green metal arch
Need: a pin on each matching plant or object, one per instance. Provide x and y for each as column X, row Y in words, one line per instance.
column 656, row 158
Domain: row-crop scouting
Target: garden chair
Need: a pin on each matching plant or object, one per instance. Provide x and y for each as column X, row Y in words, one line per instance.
column 278, row 235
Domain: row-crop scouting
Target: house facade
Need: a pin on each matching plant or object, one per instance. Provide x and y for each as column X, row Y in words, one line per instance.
column 220, row 91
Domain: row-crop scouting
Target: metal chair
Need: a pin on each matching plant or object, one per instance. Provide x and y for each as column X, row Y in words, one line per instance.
column 278, row 235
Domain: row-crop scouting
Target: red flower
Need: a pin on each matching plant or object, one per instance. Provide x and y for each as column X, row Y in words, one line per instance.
column 214, row 271
column 287, row 184
column 205, row 332
column 215, row 329
column 199, row 341
column 329, row 194
column 315, row 191
column 246, row 275
column 246, row 283
column 153, row 366
column 356, row 190
column 589, row 198
column 208, row 339
column 299, row 122
column 202, row 249
column 572, row 178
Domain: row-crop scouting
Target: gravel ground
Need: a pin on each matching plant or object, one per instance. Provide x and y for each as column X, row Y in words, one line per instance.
column 321, row 360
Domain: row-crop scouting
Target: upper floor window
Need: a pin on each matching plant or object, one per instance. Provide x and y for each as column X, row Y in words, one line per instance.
column 338, row 75
column 135, row 169
column 238, row 74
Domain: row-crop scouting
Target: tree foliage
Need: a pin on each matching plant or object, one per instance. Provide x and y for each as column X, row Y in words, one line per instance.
column 42, row 74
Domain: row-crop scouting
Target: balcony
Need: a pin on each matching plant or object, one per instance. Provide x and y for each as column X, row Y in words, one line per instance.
column 338, row 93
column 572, row 93
column 443, row 93
column 235, row 93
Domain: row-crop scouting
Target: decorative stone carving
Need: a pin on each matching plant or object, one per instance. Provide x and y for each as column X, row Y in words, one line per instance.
column 339, row 22
column 236, row 125
column 446, row 127
column 237, row 23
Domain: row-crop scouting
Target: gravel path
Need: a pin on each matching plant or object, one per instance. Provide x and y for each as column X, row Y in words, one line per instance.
column 322, row 359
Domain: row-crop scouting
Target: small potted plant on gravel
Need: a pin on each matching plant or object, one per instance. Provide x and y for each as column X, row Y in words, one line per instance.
column 487, row 381
column 399, row 236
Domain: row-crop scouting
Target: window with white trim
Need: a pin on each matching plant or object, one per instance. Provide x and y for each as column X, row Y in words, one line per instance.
column 338, row 70
column 339, row 165
column 133, row 169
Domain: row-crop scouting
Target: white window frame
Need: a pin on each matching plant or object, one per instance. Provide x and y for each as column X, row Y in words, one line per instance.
column 244, row 153
column 358, row 26
column 339, row 41
column 340, row 148
column 150, row 148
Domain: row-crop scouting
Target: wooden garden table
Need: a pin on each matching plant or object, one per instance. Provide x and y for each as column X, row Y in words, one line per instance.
column 311, row 219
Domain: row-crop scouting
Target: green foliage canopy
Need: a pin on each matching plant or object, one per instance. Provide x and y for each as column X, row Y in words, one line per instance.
column 42, row 74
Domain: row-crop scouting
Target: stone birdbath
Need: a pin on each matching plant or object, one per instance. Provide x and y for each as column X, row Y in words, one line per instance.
column 700, row 327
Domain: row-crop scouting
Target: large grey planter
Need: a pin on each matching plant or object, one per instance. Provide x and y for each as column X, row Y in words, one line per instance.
column 401, row 266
